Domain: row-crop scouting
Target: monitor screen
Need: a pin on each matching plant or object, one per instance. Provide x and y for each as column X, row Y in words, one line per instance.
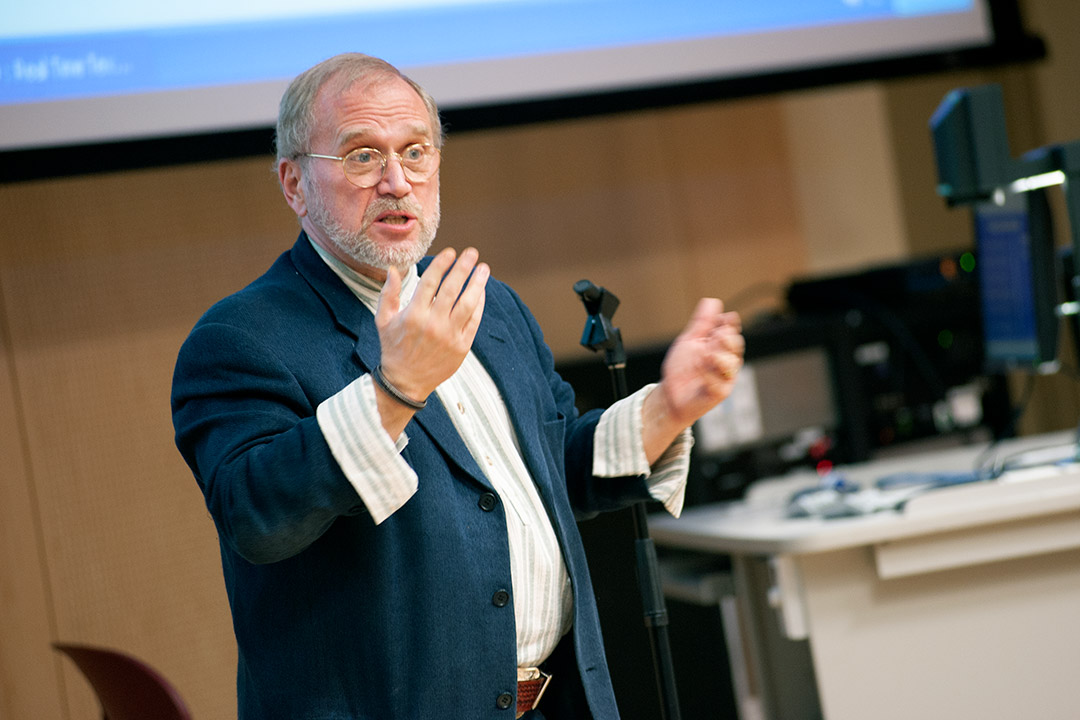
column 81, row 73
column 777, row 397
column 1016, row 261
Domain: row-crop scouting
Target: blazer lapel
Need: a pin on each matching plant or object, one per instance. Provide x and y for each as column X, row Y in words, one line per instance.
column 494, row 349
column 355, row 319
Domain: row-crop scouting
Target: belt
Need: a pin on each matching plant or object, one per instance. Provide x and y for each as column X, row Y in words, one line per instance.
column 532, row 682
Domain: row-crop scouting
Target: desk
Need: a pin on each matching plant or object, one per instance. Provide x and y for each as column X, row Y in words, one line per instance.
column 965, row 604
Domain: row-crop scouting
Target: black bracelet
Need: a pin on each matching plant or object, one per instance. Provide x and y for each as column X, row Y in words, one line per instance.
column 393, row 392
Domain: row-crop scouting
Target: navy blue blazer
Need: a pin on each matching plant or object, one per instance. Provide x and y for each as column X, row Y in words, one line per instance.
column 334, row 616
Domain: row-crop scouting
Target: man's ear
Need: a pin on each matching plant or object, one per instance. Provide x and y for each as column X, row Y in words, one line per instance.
column 291, row 179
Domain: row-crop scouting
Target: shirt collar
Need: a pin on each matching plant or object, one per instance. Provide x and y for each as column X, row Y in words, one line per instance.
column 365, row 288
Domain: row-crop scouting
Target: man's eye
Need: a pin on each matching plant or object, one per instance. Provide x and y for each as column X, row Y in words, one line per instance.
column 363, row 157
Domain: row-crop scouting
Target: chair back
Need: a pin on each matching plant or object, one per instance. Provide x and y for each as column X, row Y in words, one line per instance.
column 126, row 687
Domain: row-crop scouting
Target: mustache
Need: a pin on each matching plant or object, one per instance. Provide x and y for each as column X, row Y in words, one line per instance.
column 383, row 204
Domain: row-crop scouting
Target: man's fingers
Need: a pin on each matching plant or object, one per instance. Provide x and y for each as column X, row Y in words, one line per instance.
column 705, row 319
column 471, row 299
column 729, row 365
column 433, row 276
column 459, row 297
column 425, row 342
column 730, row 339
column 472, row 322
column 454, row 280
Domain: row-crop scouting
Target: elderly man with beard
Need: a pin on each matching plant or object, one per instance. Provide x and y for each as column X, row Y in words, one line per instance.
column 392, row 463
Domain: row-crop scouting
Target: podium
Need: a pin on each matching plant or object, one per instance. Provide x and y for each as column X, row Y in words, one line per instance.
column 965, row 603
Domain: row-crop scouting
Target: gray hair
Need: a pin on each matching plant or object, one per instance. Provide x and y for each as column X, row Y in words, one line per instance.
column 296, row 118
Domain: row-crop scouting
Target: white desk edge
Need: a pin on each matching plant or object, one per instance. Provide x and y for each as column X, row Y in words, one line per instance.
column 762, row 527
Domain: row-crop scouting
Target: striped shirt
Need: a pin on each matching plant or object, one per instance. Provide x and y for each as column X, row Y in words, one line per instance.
column 371, row 461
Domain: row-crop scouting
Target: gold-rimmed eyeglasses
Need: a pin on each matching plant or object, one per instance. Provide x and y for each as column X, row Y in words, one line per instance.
column 364, row 167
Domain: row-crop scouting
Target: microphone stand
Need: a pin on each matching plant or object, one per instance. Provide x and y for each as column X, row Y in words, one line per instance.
column 601, row 335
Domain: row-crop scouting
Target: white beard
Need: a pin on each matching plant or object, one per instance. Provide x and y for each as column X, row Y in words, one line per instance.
column 357, row 245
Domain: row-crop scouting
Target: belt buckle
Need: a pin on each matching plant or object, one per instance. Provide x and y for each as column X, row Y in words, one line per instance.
column 543, row 688
column 529, row 674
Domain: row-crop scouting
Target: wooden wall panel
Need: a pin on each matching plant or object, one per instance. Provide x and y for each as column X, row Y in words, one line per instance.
column 843, row 165
column 29, row 672
column 659, row 207
column 103, row 278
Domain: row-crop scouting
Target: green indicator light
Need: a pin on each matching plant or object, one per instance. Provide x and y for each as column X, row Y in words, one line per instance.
column 967, row 262
column 945, row 339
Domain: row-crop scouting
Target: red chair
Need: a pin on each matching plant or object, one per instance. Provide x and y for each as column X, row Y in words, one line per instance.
column 127, row 688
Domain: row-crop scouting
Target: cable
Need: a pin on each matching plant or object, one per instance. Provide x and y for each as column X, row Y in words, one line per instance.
column 1009, row 431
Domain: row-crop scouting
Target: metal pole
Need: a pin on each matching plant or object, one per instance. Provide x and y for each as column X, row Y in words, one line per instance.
column 600, row 334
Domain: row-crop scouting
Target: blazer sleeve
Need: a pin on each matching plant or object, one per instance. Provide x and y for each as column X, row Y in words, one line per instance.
column 247, row 428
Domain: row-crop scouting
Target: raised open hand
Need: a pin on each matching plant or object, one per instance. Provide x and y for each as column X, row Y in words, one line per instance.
column 425, row 342
column 698, row 373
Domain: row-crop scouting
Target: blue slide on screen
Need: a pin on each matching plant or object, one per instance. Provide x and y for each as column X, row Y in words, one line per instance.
column 467, row 52
column 89, row 55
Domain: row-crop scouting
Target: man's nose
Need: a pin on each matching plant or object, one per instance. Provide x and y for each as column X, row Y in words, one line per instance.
column 393, row 181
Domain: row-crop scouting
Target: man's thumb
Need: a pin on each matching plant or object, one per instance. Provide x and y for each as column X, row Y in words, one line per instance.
column 390, row 297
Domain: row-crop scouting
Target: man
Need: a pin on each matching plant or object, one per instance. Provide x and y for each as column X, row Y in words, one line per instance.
column 393, row 465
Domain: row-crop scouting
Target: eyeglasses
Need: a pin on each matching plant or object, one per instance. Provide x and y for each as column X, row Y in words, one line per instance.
column 364, row 167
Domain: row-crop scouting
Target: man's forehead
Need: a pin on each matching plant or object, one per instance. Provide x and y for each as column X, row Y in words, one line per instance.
column 386, row 99
column 358, row 134
column 373, row 89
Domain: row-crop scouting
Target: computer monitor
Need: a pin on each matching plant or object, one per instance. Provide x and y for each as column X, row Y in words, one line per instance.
column 783, row 398
column 971, row 145
column 1014, row 234
column 1018, row 281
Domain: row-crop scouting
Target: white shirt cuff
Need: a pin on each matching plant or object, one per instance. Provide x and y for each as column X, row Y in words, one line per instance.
column 370, row 460
column 619, row 450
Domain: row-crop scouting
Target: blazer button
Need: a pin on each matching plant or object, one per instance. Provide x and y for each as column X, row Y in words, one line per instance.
column 488, row 502
column 504, row 701
column 500, row 598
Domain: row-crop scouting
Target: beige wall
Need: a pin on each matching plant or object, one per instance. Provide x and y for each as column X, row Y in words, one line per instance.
column 103, row 536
